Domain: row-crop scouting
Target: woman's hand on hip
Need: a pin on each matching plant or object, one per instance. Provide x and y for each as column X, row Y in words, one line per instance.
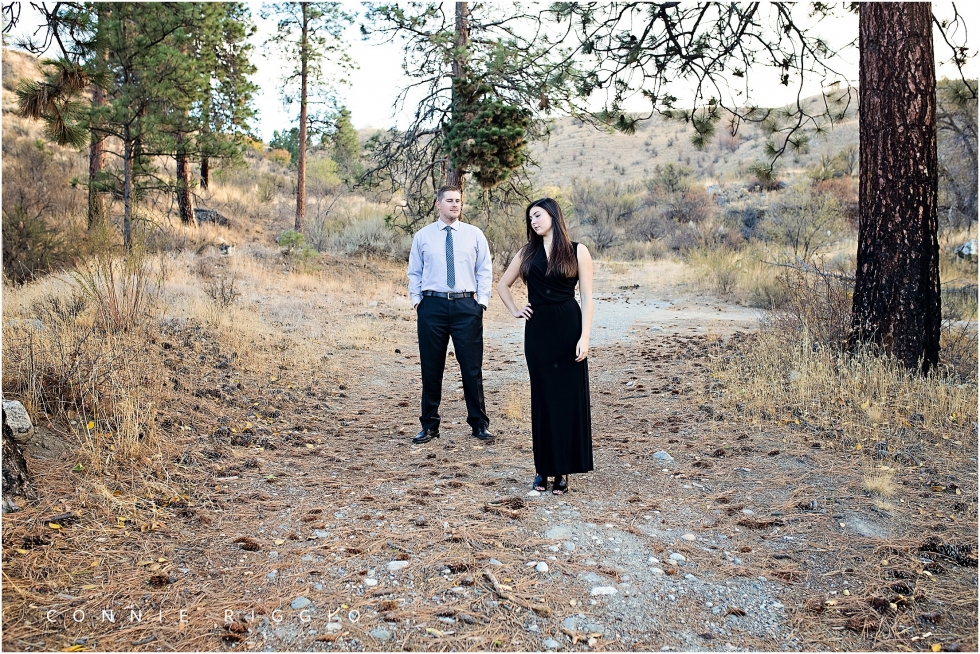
column 582, row 349
column 524, row 313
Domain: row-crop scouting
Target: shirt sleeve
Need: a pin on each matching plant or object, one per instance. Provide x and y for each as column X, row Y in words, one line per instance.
column 484, row 269
column 415, row 271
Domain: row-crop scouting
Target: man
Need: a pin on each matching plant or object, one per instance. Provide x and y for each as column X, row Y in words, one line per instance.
column 449, row 279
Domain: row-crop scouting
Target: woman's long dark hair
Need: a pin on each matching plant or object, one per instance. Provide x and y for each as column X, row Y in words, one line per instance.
column 562, row 259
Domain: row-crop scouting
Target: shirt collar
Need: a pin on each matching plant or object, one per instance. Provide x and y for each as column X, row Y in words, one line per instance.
column 443, row 226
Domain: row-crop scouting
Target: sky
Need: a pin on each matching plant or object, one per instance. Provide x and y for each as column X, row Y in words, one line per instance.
column 379, row 76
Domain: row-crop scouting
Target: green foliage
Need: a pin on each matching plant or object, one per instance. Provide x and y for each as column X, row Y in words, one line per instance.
column 288, row 141
column 486, row 135
column 345, row 148
column 322, row 176
column 30, row 246
column 767, row 175
column 670, row 178
column 804, row 220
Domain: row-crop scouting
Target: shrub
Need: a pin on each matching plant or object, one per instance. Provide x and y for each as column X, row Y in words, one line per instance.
column 278, row 156
column 804, row 221
column 372, row 237
column 120, row 288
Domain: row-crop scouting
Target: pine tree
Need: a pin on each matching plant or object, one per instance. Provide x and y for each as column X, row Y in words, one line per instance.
column 309, row 34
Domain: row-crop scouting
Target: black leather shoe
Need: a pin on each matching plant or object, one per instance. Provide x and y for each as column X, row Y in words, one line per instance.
column 482, row 433
column 425, row 436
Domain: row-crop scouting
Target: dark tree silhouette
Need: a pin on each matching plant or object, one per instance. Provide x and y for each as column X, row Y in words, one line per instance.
column 896, row 294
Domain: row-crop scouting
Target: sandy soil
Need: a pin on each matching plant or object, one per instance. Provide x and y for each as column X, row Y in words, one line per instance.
column 310, row 522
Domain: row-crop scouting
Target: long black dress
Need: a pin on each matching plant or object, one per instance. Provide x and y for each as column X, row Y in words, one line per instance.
column 561, row 415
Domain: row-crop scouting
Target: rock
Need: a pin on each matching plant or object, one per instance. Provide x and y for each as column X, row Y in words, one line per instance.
column 272, row 575
column 690, row 577
column 570, row 623
column 541, row 567
column 690, row 537
column 16, row 477
column 300, row 603
column 558, row 532
column 748, row 511
column 323, row 533
column 604, row 590
column 551, row 643
column 653, row 559
column 16, row 419
column 370, row 582
column 569, row 545
column 494, row 562
column 395, row 566
column 534, row 493
column 210, row 216
column 553, row 548
column 531, row 564
column 467, row 581
column 334, row 626
column 380, row 633
column 657, row 571
column 968, row 250
column 662, row 456
column 677, row 557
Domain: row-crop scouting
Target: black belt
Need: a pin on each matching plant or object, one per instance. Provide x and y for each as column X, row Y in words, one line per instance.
column 448, row 296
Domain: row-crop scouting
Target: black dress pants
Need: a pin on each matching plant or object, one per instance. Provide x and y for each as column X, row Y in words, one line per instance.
column 438, row 320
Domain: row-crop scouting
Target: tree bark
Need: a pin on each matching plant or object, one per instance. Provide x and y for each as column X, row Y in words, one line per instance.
column 205, row 172
column 896, row 295
column 127, row 186
column 455, row 176
column 304, row 56
column 96, row 156
column 185, row 202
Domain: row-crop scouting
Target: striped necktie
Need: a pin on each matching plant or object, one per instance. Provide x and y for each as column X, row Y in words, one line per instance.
column 450, row 260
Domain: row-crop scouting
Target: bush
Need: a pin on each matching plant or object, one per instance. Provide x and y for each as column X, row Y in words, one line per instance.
column 804, row 220
column 322, row 177
column 372, row 237
column 120, row 288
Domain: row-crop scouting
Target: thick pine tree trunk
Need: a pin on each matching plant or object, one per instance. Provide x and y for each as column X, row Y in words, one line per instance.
column 896, row 296
column 301, row 167
column 185, row 202
column 454, row 176
column 96, row 156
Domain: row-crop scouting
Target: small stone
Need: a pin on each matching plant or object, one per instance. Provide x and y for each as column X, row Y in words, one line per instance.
column 534, row 493
column 381, row 634
column 657, row 572
column 395, row 566
column 662, row 456
column 299, row 603
column 495, row 562
column 677, row 557
column 748, row 511
column 334, row 626
column 570, row 623
column 592, row 642
column 531, row 564
column 653, row 559
column 690, row 577
column 272, row 575
column 604, row 590
column 553, row 548
column 551, row 643
column 690, row 537
column 466, row 581
column 541, row 567
column 370, row 582
column 569, row 545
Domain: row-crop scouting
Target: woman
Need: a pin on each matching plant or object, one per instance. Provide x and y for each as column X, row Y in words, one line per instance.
column 556, row 343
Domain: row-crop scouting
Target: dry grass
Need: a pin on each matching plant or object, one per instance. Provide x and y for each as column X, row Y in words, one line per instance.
column 516, row 404
column 880, row 483
column 861, row 399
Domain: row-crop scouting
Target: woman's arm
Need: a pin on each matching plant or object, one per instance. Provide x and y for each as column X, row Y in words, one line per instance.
column 507, row 280
column 588, row 308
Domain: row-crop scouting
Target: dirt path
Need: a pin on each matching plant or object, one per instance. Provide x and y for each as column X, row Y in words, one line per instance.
column 311, row 522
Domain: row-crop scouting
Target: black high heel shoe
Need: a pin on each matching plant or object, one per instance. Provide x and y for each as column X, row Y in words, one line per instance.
column 561, row 485
column 539, row 483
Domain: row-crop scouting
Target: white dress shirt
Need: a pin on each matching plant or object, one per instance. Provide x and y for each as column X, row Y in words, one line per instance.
column 471, row 254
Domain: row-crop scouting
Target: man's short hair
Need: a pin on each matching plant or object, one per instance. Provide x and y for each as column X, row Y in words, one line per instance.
column 445, row 189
